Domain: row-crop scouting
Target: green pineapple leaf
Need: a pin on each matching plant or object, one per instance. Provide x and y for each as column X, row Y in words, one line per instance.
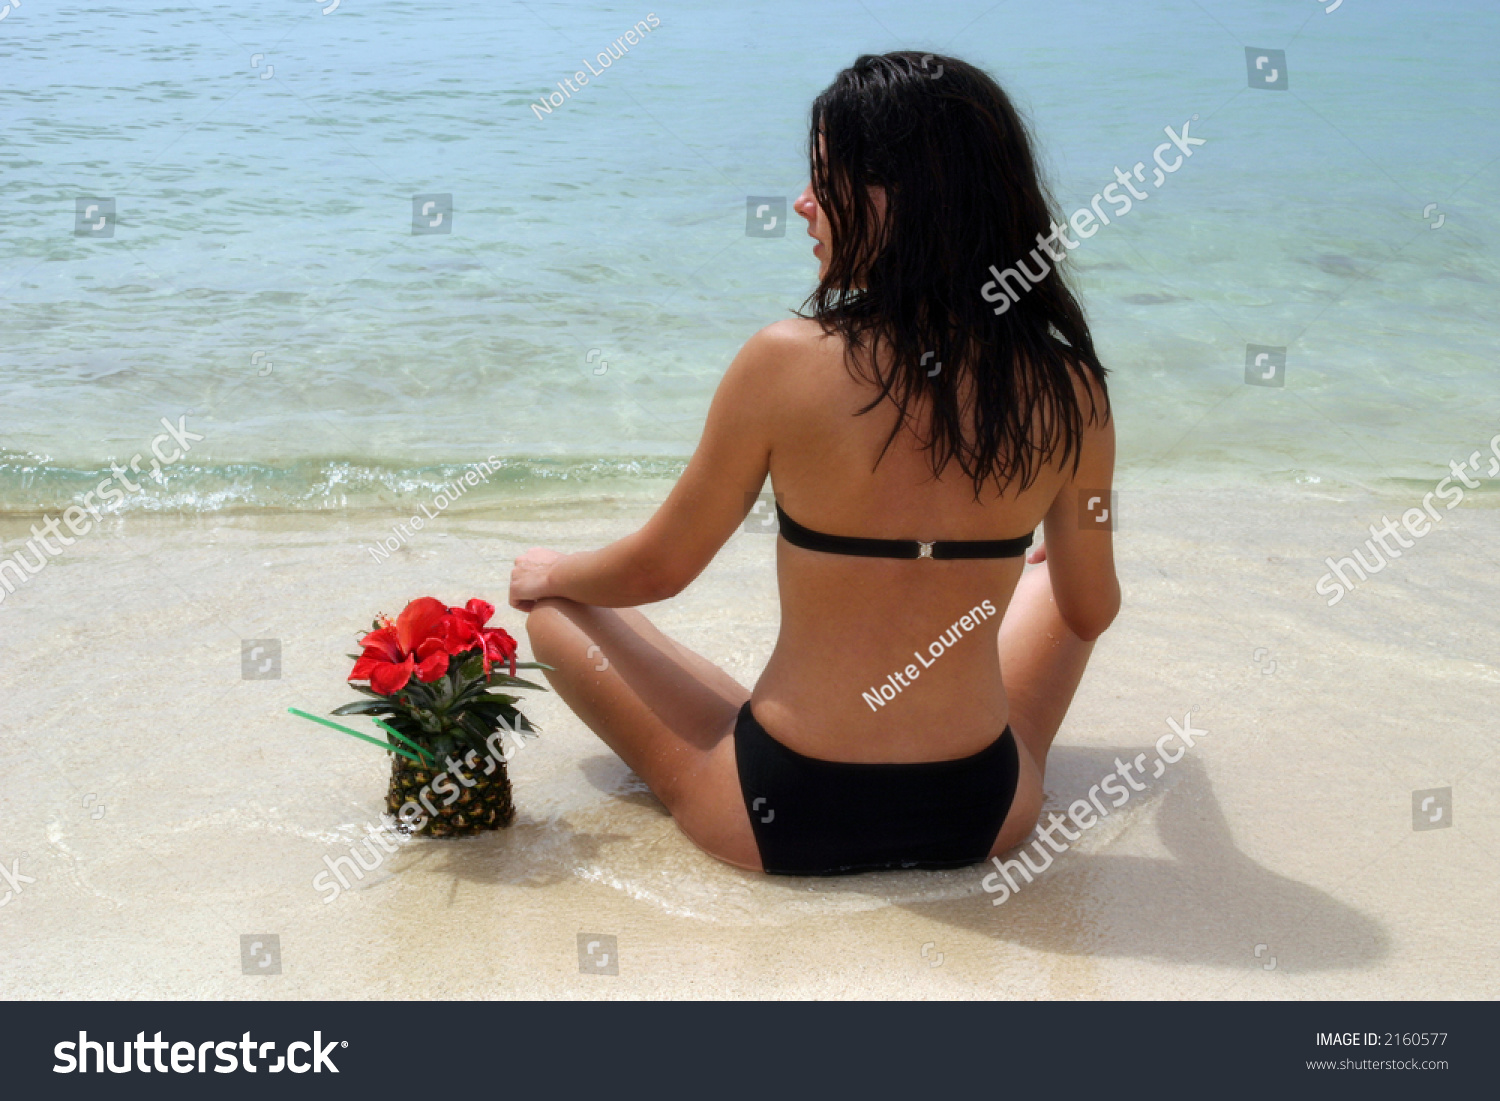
column 444, row 746
column 471, row 691
column 489, row 705
column 400, row 737
column 366, row 707
column 505, row 681
column 420, row 697
column 475, row 732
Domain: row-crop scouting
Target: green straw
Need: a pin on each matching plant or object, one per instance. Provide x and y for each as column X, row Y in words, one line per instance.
column 402, row 737
column 361, row 737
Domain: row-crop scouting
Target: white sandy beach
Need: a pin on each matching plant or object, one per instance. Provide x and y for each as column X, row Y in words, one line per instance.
column 164, row 806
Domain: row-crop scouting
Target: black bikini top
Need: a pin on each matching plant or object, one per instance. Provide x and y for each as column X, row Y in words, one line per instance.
column 799, row 536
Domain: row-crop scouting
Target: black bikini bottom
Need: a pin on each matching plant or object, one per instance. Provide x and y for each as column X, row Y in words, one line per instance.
column 817, row 817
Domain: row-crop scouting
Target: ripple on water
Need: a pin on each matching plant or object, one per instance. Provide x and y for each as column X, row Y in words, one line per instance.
column 605, row 826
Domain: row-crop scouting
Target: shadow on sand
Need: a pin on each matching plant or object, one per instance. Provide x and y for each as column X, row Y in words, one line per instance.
column 1204, row 903
column 1207, row 903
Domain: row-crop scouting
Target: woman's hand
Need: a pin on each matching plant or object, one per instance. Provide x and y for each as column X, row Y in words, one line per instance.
column 528, row 579
column 1038, row 554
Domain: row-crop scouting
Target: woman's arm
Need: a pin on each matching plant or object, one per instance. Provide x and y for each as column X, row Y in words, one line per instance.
column 703, row 510
column 1080, row 555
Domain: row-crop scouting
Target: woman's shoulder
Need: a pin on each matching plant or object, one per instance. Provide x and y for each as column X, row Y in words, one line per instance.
column 781, row 355
column 791, row 335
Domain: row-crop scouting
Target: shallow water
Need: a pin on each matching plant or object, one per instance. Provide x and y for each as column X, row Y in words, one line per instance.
column 263, row 279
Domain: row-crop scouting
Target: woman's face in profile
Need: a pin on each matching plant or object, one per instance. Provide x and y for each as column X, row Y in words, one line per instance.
column 817, row 226
column 817, row 222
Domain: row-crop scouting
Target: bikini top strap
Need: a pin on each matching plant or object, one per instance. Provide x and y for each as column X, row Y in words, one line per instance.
column 799, row 536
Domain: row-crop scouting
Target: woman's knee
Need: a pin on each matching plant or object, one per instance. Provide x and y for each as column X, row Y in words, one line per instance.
column 550, row 607
column 549, row 619
column 1025, row 808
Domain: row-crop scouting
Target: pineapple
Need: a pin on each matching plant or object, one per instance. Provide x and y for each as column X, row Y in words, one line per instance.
column 485, row 806
column 460, row 785
column 444, row 729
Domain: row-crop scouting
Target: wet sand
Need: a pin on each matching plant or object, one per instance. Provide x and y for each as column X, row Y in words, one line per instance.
column 165, row 806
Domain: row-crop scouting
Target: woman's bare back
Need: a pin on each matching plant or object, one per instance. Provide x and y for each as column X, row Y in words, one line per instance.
column 881, row 659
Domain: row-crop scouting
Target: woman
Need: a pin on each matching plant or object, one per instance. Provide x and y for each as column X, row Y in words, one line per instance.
column 915, row 434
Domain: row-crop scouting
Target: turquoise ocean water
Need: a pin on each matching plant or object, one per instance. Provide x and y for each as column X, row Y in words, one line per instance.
column 593, row 274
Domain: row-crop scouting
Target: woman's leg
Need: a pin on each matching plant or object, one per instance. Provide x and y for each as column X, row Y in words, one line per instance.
column 667, row 711
column 1041, row 665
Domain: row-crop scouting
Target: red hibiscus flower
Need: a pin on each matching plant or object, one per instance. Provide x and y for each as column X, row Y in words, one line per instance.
column 499, row 646
column 461, row 628
column 424, row 639
column 466, row 625
column 477, row 611
column 416, row 643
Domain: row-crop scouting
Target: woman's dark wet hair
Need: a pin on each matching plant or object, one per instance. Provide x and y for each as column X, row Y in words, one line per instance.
column 962, row 194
